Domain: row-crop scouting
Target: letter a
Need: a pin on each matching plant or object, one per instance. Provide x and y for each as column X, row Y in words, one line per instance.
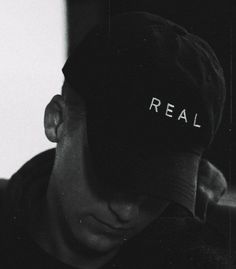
column 182, row 115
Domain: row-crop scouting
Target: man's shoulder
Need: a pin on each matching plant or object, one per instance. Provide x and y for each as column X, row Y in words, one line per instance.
column 177, row 243
column 3, row 187
column 3, row 184
column 14, row 191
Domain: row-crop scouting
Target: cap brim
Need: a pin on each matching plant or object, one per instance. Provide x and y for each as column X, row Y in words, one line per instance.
column 127, row 166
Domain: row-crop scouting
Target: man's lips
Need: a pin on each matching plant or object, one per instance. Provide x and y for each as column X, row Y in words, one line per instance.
column 113, row 228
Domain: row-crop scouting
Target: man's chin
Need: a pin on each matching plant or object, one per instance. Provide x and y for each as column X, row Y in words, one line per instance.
column 100, row 244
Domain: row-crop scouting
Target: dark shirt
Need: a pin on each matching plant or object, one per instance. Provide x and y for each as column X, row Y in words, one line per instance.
column 175, row 240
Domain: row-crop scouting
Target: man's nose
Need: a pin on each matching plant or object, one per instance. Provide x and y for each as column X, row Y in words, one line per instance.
column 125, row 208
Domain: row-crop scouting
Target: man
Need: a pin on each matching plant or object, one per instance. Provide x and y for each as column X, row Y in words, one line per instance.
column 142, row 100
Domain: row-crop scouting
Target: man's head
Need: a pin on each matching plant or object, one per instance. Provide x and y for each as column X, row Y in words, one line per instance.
column 142, row 99
column 94, row 214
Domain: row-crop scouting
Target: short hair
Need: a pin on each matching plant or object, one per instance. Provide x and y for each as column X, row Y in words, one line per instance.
column 75, row 104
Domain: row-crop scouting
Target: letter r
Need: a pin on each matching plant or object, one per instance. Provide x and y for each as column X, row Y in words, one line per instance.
column 155, row 103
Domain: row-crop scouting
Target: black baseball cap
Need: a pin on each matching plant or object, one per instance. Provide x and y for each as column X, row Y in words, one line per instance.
column 154, row 95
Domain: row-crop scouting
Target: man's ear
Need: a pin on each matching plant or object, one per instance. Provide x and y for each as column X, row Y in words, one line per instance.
column 53, row 118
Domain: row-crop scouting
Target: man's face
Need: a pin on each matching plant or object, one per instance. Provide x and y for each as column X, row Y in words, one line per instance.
column 97, row 220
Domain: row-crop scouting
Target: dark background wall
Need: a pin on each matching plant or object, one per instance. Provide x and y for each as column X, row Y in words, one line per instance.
column 210, row 20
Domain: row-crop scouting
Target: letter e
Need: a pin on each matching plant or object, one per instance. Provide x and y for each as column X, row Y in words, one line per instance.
column 169, row 110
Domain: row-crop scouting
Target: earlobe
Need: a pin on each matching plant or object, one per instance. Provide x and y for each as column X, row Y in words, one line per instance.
column 53, row 118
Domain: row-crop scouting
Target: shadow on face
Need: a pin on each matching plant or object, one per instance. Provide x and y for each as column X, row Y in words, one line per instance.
column 97, row 213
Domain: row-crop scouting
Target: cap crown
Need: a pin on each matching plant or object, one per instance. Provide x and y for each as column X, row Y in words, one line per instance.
column 152, row 73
